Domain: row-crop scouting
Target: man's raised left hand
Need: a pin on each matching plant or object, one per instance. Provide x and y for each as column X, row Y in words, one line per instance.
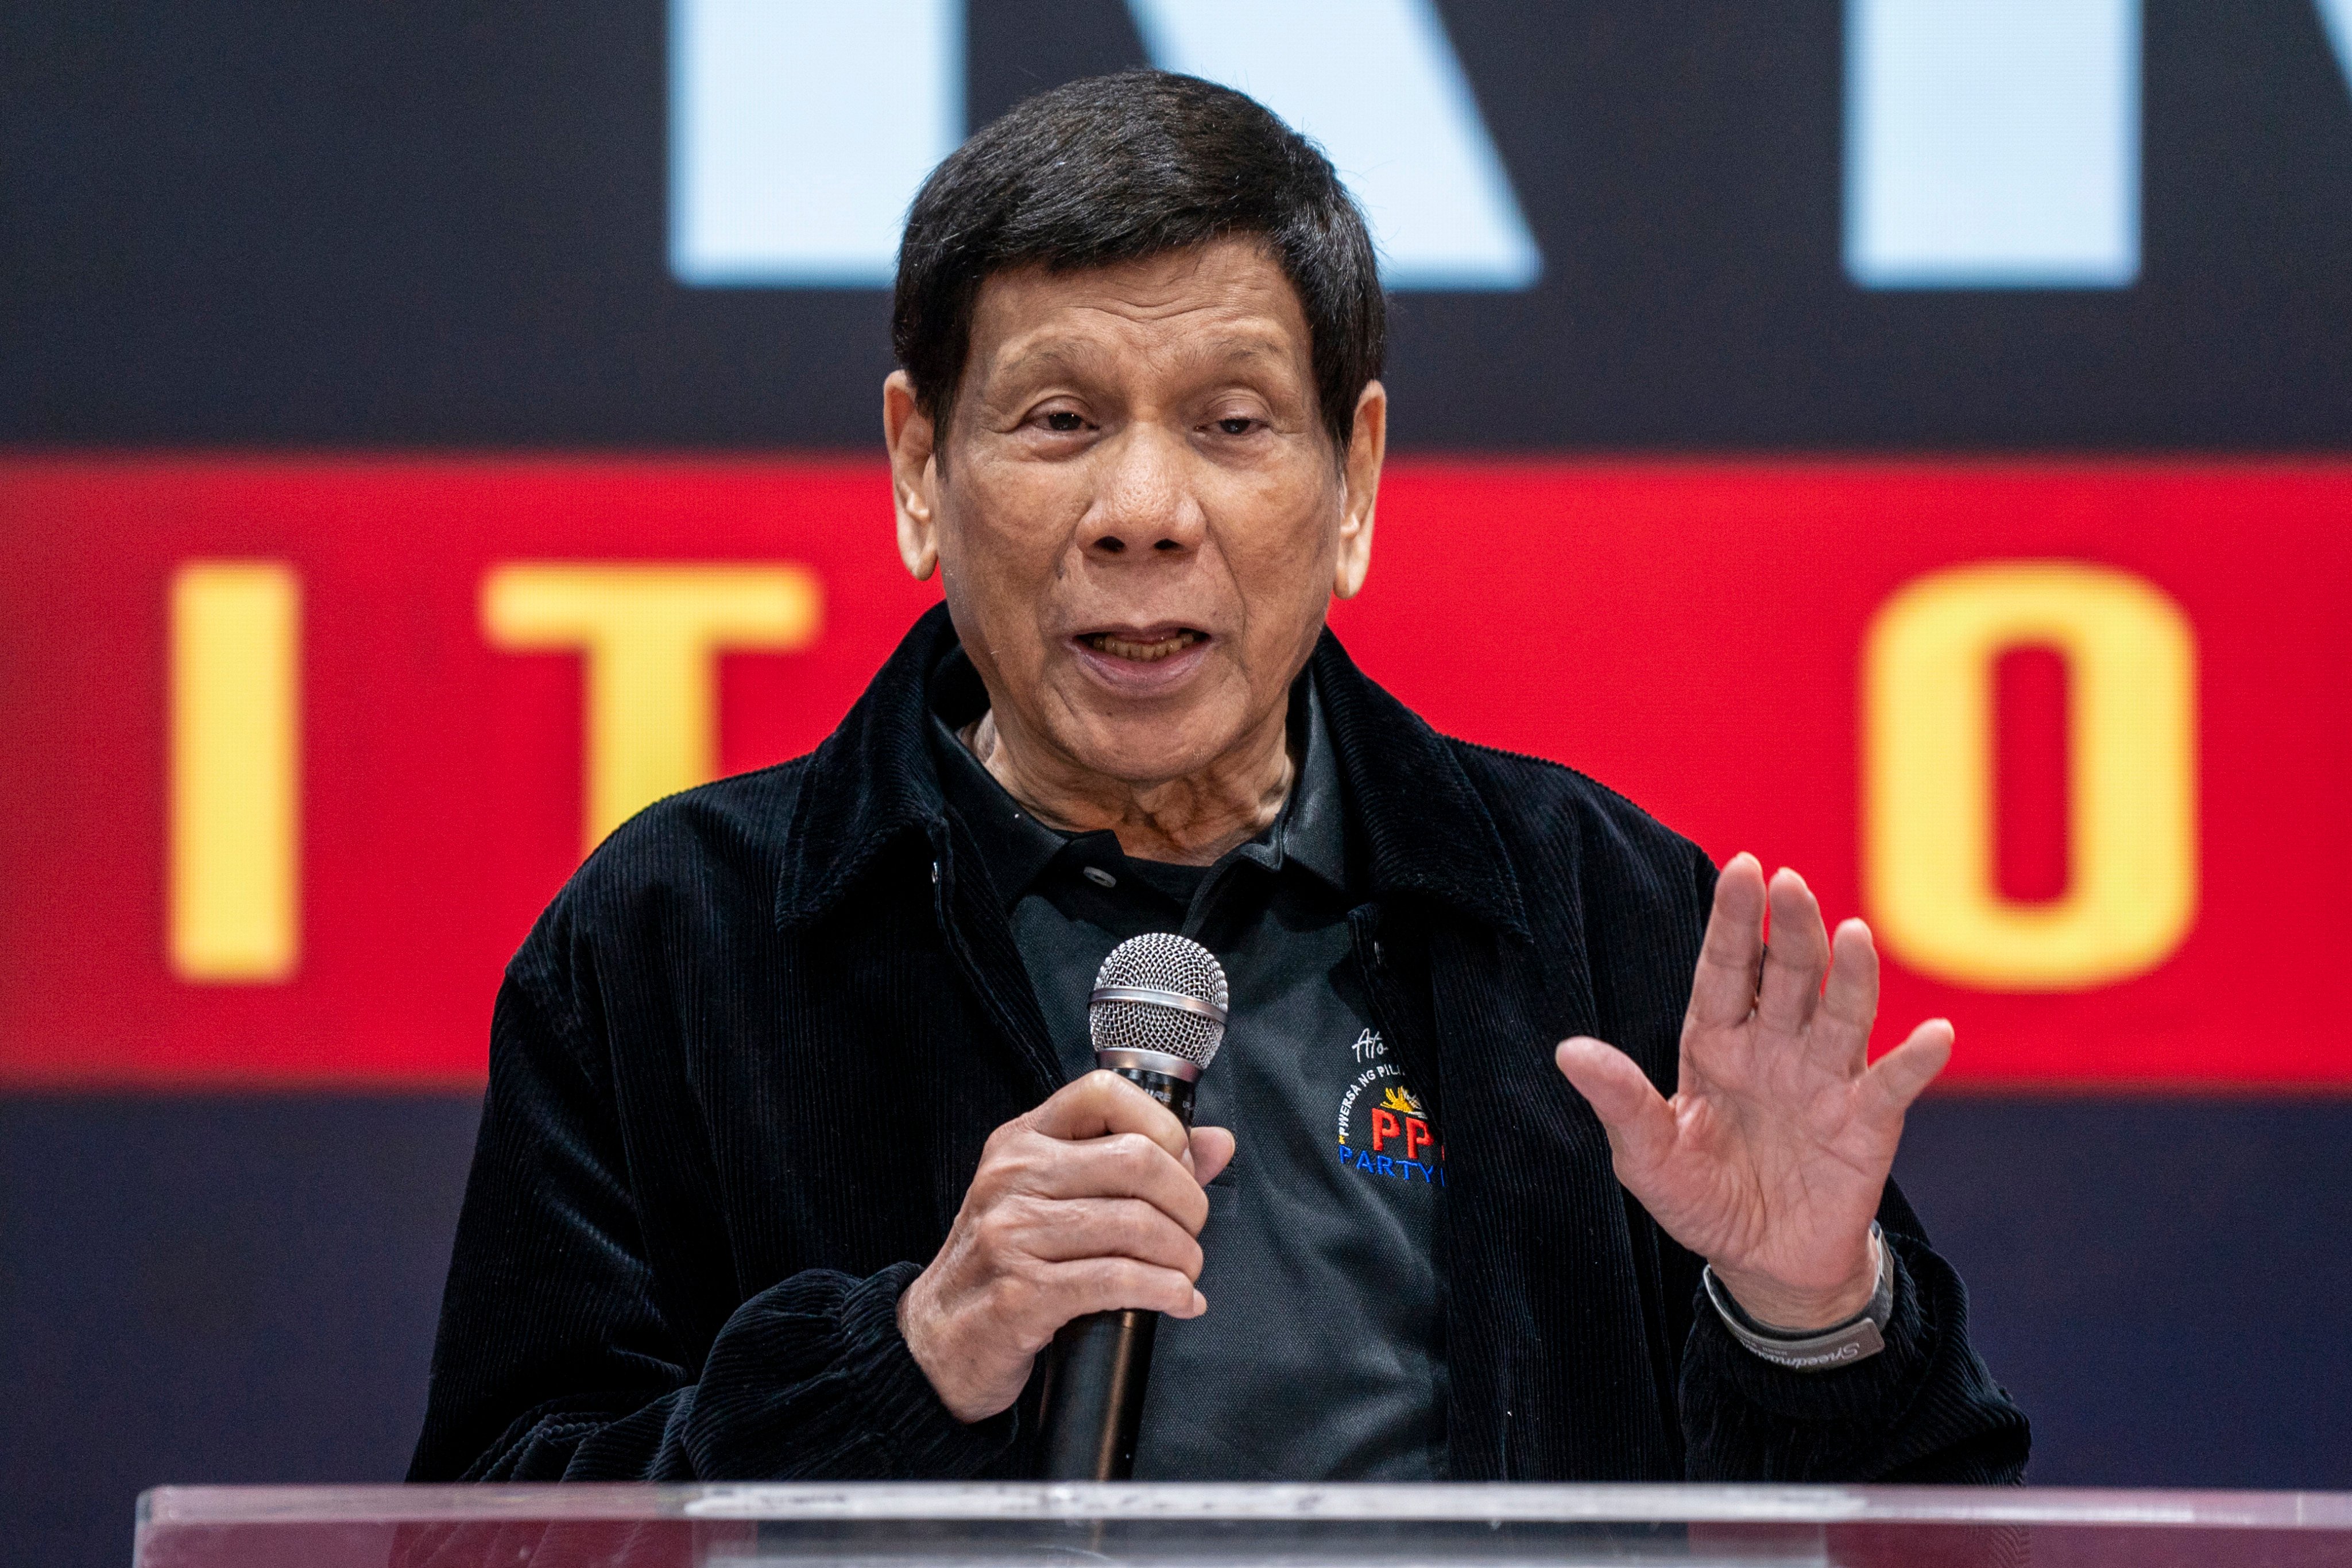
column 1769, row 1160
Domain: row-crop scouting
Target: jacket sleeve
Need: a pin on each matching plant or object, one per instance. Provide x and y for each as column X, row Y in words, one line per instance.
column 1923, row 1410
column 555, row 1361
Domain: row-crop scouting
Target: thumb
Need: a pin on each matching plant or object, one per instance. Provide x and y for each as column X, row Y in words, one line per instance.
column 1641, row 1127
column 1899, row 1077
column 1212, row 1151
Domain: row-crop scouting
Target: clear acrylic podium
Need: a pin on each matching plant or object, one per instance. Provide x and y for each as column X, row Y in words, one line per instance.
column 1066, row 1526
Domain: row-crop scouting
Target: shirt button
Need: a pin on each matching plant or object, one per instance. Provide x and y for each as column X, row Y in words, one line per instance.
column 1099, row 877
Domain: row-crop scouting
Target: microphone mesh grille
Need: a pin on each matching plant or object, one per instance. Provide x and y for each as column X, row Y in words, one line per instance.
column 1163, row 961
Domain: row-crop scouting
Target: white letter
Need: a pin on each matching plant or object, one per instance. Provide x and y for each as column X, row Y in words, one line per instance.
column 1377, row 84
column 2337, row 14
column 799, row 135
column 1992, row 143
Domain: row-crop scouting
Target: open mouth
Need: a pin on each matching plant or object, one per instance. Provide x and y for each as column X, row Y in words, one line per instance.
column 1140, row 651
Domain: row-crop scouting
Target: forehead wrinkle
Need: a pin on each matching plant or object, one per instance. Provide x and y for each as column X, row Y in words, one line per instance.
column 1242, row 293
column 1077, row 354
column 1160, row 285
column 1123, row 313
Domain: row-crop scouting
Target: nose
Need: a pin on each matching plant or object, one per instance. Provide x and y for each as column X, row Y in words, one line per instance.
column 1143, row 502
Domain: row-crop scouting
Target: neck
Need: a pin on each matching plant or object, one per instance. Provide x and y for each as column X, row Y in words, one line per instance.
column 1189, row 821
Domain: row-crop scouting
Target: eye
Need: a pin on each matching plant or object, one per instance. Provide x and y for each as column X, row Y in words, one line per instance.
column 1064, row 422
column 1235, row 425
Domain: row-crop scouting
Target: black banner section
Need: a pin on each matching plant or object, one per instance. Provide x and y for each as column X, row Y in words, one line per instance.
column 353, row 224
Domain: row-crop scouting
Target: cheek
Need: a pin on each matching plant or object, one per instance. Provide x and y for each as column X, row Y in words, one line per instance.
column 999, row 549
column 1286, row 557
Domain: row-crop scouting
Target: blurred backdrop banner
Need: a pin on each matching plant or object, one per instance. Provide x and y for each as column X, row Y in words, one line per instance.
column 1910, row 439
column 2053, row 726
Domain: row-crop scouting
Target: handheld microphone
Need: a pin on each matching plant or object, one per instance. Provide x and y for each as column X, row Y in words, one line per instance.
column 1157, row 1017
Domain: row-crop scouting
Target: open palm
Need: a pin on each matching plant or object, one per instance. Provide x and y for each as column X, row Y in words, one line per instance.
column 1769, row 1160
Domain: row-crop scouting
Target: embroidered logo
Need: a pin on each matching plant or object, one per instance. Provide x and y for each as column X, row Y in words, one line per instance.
column 1383, row 1130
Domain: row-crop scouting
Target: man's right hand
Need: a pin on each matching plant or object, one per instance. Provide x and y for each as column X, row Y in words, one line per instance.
column 1090, row 1203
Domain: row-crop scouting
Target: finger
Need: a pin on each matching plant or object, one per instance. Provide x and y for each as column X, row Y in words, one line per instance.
column 1850, row 1004
column 1077, row 1228
column 1113, row 1284
column 1103, row 1102
column 1724, row 990
column 1125, row 1165
column 1212, row 1151
column 1640, row 1126
column 1904, row 1073
column 1792, row 983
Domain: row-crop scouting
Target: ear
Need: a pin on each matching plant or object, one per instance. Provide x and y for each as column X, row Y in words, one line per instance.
column 1366, row 448
column 908, row 432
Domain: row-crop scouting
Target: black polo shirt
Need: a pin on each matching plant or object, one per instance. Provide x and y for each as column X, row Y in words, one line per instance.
column 1321, row 1355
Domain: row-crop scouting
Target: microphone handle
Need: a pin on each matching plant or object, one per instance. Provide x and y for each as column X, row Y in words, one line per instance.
column 1096, row 1369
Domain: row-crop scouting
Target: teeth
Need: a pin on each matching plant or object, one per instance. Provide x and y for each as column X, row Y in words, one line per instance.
column 1143, row 653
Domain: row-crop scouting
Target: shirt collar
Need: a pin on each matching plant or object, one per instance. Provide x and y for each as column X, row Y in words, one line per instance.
column 1017, row 847
column 1014, row 846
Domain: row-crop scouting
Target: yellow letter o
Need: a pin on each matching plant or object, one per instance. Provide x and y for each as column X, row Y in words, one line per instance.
column 1928, row 783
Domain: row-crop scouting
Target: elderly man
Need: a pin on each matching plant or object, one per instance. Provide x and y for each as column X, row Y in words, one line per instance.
column 793, row 1161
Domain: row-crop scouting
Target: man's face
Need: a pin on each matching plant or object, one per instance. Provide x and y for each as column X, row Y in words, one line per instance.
column 1136, row 516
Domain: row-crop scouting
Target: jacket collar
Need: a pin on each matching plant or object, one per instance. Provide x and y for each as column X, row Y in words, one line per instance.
column 870, row 782
column 1424, row 829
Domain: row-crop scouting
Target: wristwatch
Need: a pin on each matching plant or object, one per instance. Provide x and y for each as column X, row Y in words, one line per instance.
column 1858, row 1338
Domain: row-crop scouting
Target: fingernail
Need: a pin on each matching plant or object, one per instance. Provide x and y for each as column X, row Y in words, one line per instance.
column 1199, row 1304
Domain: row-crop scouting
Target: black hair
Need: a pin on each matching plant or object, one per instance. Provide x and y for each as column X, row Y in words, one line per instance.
column 1118, row 168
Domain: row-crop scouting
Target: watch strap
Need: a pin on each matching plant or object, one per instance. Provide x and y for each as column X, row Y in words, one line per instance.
column 1858, row 1338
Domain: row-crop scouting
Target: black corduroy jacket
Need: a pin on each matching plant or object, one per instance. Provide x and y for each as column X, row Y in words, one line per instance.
column 742, row 1069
